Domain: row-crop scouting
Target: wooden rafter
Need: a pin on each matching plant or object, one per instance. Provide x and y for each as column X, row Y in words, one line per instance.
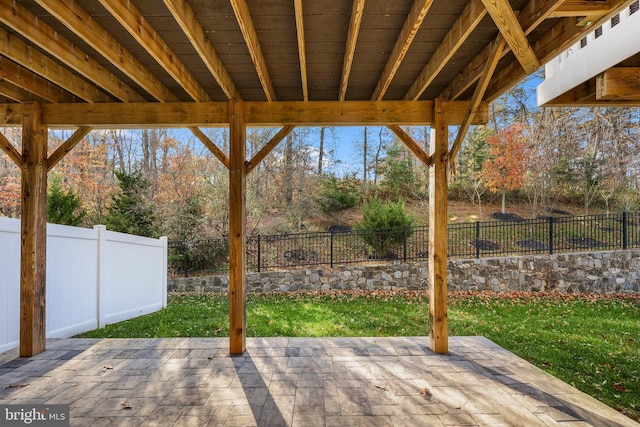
column 80, row 22
column 11, row 91
column 268, row 147
column 139, row 28
column 562, row 36
column 220, row 155
column 67, row 146
column 413, row 146
column 243, row 16
column 10, row 150
column 186, row 18
column 529, row 18
column 460, row 31
column 33, row 83
column 302, row 50
column 409, row 30
column 19, row 19
column 37, row 62
column 508, row 25
column 496, row 53
column 618, row 83
column 357, row 11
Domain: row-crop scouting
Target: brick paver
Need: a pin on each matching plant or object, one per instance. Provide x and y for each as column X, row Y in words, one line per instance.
column 296, row 382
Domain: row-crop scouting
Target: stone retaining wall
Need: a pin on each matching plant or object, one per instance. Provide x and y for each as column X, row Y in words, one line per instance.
column 597, row 272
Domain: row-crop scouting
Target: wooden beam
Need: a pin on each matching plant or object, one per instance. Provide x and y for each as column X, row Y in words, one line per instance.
column 268, row 147
column 11, row 151
column 220, row 155
column 186, row 18
column 67, row 146
column 11, row 114
column 71, row 15
column 237, row 230
column 507, row 22
column 190, row 114
column 584, row 95
column 139, row 28
column 532, row 15
column 357, row 10
column 32, row 59
column 33, row 234
column 414, row 147
column 354, row 113
column 243, row 16
column 409, row 30
column 574, row 8
column 139, row 115
column 459, row 32
column 618, row 83
column 19, row 19
column 302, row 50
column 496, row 52
column 438, row 195
column 553, row 42
column 33, row 83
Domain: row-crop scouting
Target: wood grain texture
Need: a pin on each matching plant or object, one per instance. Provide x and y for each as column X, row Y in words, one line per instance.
column 413, row 146
column 139, row 28
column 618, row 83
column 581, row 8
column 33, row 233
column 532, row 15
column 243, row 16
column 33, row 83
column 81, row 23
column 32, row 59
column 438, row 195
column 186, row 18
column 19, row 19
column 268, row 147
column 193, row 114
column 507, row 22
column 11, row 114
column 409, row 30
column 67, row 146
column 302, row 48
column 220, row 155
column 357, row 11
column 459, row 33
column 10, row 151
column 237, row 230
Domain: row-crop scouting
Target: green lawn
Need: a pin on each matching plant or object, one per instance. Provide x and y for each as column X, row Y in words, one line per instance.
column 591, row 342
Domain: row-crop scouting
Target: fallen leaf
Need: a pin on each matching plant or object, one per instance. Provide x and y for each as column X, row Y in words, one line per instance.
column 620, row 388
column 126, row 404
column 426, row 392
column 16, row 386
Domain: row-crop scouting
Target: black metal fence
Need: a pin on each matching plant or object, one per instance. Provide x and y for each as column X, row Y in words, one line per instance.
column 466, row 240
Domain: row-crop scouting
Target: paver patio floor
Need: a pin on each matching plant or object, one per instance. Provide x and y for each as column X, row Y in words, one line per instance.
column 296, row 382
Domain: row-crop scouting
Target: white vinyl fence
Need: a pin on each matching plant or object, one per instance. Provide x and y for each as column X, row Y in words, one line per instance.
column 94, row 277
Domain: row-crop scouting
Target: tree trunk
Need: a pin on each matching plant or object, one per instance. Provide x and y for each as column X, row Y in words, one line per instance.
column 364, row 158
column 288, row 172
column 504, row 204
column 321, row 151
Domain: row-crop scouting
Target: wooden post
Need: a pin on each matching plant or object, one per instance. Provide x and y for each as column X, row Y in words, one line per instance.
column 438, row 194
column 33, row 232
column 237, row 228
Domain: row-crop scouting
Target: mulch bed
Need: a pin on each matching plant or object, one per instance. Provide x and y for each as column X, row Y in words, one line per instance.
column 585, row 242
column 499, row 216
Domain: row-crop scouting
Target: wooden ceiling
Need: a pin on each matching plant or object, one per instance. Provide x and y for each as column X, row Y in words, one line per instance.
column 105, row 51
